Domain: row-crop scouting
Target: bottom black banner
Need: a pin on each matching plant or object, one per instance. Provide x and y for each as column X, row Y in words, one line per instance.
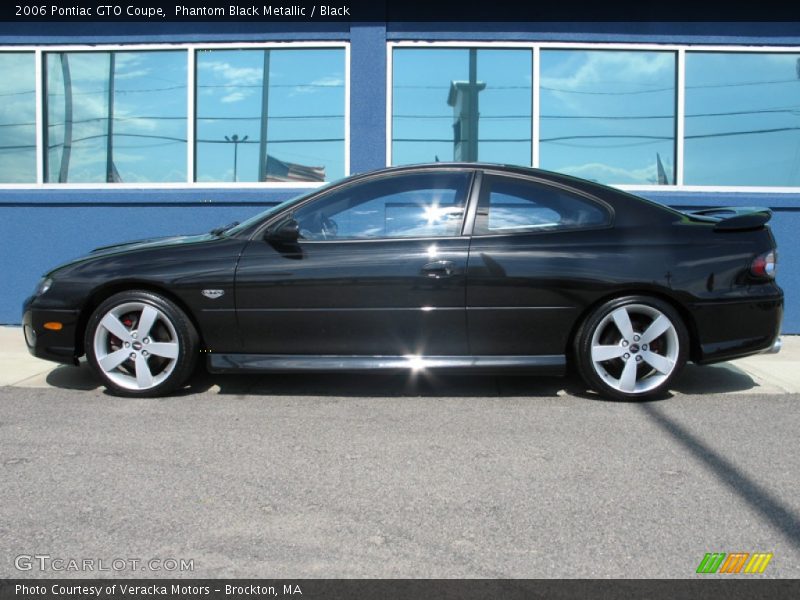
column 391, row 589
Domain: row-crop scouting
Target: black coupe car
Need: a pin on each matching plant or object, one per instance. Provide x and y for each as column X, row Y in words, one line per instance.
column 442, row 266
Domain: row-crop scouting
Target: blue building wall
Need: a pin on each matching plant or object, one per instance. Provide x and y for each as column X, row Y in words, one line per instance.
column 40, row 228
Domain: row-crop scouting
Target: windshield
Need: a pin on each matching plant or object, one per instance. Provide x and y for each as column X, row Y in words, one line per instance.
column 272, row 210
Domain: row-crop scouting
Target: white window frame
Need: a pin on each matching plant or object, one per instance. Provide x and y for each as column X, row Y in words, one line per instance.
column 680, row 50
column 191, row 54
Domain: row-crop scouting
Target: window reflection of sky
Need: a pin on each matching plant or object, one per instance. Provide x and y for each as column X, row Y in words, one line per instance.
column 149, row 107
column 305, row 108
column 17, row 118
column 742, row 119
column 422, row 121
column 608, row 116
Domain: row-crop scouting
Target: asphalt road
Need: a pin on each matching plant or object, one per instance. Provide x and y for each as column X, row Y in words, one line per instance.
column 376, row 476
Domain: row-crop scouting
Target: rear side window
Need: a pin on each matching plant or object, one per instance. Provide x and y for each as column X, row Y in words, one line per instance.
column 510, row 204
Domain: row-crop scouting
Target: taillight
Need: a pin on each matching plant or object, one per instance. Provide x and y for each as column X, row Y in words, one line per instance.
column 764, row 265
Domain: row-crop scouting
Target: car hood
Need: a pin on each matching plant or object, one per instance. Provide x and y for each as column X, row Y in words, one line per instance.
column 162, row 242
column 173, row 240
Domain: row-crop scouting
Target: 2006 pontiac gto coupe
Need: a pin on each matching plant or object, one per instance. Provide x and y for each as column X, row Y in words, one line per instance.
column 443, row 266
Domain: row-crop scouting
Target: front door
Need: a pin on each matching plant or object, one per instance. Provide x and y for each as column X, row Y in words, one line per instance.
column 379, row 269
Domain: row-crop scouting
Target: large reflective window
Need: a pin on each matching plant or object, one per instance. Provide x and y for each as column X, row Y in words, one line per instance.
column 742, row 119
column 270, row 115
column 608, row 116
column 17, row 118
column 461, row 104
column 115, row 117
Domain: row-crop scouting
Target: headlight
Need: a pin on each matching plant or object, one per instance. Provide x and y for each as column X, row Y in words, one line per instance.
column 43, row 286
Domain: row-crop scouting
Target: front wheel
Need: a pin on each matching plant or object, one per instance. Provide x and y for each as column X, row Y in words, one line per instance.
column 631, row 348
column 141, row 344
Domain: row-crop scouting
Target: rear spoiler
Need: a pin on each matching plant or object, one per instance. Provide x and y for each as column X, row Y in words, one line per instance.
column 733, row 218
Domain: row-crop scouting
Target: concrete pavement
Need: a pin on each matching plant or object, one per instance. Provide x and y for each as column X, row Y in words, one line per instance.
column 765, row 373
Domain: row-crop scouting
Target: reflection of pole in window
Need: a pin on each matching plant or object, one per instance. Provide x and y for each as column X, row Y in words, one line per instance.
column 463, row 97
column 234, row 139
column 111, row 175
column 262, row 143
column 63, row 172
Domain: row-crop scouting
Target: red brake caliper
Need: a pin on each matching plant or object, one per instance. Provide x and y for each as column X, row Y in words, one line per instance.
column 115, row 341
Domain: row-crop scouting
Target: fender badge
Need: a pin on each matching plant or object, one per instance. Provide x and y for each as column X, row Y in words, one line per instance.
column 213, row 294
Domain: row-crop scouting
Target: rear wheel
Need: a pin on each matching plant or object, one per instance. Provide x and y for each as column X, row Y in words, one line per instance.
column 141, row 344
column 631, row 348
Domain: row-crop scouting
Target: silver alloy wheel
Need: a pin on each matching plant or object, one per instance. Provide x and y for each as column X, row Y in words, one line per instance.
column 635, row 348
column 136, row 346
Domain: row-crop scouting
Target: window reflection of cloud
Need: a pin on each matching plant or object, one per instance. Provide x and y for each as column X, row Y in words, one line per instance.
column 145, row 104
column 17, row 108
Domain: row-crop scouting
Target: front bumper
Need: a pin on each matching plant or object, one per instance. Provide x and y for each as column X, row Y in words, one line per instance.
column 59, row 346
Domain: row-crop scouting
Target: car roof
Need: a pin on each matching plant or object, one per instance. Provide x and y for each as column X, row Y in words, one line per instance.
column 553, row 176
column 447, row 166
column 637, row 208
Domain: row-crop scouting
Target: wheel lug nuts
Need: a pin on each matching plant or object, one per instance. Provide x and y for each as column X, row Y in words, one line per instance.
column 636, row 338
column 624, row 342
column 638, row 359
column 145, row 353
column 146, row 340
column 127, row 344
column 133, row 335
column 133, row 356
column 644, row 346
column 626, row 356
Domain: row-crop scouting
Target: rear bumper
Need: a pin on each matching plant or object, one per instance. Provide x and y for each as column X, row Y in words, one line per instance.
column 58, row 346
column 733, row 329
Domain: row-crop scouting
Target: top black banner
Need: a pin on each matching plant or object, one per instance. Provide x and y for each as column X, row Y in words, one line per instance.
column 316, row 11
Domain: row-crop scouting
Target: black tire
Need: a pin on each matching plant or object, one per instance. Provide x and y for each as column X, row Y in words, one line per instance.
column 631, row 363
column 155, row 363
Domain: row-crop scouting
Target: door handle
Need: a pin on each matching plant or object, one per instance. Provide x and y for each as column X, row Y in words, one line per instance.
column 439, row 269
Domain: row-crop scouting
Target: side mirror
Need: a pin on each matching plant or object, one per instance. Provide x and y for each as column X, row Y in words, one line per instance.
column 286, row 232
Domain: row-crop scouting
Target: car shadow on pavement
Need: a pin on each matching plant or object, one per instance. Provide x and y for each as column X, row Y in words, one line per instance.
column 68, row 377
column 714, row 379
column 385, row 385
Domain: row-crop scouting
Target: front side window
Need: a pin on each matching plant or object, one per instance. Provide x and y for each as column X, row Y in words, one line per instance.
column 510, row 205
column 115, row 117
column 17, row 118
column 404, row 206
column 271, row 115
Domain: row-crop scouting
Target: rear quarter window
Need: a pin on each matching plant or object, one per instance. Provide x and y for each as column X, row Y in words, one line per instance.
column 511, row 204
